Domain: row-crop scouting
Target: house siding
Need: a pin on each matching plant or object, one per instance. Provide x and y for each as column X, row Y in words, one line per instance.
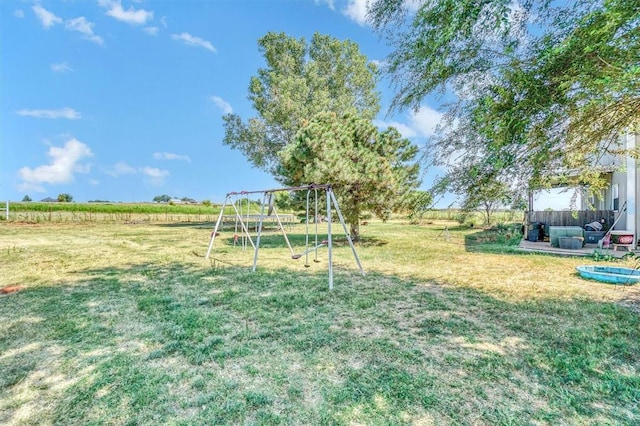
column 636, row 143
column 618, row 179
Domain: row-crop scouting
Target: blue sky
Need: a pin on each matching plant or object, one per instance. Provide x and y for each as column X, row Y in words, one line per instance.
column 122, row 100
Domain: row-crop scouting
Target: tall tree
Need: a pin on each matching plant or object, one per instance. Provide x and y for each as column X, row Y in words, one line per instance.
column 164, row 198
column 65, row 198
column 543, row 88
column 371, row 170
column 416, row 203
column 299, row 81
column 488, row 198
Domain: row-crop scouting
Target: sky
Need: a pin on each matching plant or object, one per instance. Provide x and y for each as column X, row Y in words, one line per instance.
column 122, row 100
column 556, row 199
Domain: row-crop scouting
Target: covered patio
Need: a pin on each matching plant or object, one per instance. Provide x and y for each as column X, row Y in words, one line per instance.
column 576, row 219
column 571, row 218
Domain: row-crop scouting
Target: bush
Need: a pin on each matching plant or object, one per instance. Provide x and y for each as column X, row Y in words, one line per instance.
column 509, row 234
column 466, row 218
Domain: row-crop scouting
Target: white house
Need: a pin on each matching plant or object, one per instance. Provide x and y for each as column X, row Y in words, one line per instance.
column 621, row 196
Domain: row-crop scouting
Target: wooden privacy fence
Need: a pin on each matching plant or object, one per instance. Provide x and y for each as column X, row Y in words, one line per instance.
column 572, row 218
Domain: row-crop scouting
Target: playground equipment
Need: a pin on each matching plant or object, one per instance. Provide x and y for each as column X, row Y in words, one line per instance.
column 241, row 224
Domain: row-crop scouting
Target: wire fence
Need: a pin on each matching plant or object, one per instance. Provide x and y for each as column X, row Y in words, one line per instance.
column 135, row 216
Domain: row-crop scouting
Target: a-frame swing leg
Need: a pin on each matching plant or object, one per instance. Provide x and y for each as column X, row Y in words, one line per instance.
column 243, row 226
column 346, row 231
column 215, row 229
column 329, row 239
column 331, row 198
column 257, row 246
column 284, row 232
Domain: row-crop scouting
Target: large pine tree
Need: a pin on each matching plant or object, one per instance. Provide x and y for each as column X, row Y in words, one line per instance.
column 371, row 170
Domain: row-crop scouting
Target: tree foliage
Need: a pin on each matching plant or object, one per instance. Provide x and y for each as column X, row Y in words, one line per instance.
column 299, row 81
column 370, row 170
column 164, row 198
column 544, row 89
column 416, row 203
column 65, row 198
column 488, row 198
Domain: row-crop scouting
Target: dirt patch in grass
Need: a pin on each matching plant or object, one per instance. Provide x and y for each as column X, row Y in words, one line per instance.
column 630, row 298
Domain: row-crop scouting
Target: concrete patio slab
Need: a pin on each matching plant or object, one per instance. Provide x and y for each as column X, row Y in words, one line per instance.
column 587, row 250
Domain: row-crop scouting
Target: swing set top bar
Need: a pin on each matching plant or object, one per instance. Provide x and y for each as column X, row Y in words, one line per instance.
column 291, row 188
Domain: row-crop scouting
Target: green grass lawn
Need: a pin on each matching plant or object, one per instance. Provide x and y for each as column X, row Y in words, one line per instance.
column 129, row 324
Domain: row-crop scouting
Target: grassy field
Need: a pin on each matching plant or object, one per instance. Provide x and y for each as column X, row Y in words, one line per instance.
column 37, row 212
column 34, row 212
column 128, row 324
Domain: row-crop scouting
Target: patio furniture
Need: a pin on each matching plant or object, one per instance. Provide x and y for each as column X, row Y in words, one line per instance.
column 592, row 237
column 555, row 232
column 622, row 238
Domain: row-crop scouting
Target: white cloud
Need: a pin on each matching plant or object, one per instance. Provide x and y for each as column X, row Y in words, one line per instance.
column 357, row 11
column 171, row 156
column 94, row 182
column 329, row 3
column 68, row 113
column 61, row 67
column 30, row 187
column 151, row 30
column 223, row 105
column 190, row 40
column 154, row 176
column 425, row 120
column 119, row 169
column 155, row 173
column 83, row 168
column 412, row 5
column 47, row 19
column 405, row 131
column 18, row 13
column 130, row 16
column 65, row 161
column 85, row 28
column 421, row 124
column 163, row 21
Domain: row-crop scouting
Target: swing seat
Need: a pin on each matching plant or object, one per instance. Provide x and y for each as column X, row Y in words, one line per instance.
column 310, row 249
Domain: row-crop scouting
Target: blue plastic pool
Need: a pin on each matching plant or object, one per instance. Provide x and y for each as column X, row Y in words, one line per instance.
column 610, row 274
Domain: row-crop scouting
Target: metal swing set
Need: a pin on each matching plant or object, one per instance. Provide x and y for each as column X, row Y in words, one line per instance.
column 268, row 202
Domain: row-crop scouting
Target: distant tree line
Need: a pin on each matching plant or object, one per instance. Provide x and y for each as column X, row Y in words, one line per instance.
column 164, row 198
column 62, row 198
